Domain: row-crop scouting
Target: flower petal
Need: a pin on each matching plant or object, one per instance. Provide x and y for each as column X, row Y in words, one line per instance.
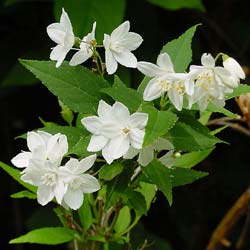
column 80, row 57
column 73, row 198
column 136, row 138
column 86, row 164
column 207, row 60
column 92, row 124
column 138, row 120
column 234, row 67
column 164, row 61
column 65, row 21
column 153, row 90
column 176, row 99
column 45, row 194
column 131, row 41
column 97, row 143
column 89, row 183
column 111, row 63
column 125, row 58
column 34, row 140
column 22, row 160
column 104, row 110
column 149, row 69
column 56, row 32
column 58, row 54
column 119, row 146
column 121, row 112
column 118, row 34
column 107, row 153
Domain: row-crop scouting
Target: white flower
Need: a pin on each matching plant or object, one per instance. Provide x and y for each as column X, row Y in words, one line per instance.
column 235, row 69
column 211, row 83
column 146, row 154
column 115, row 130
column 43, row 146
column 62, row 34
column 77, row 183
column 118, row 47
column 166, row 80
column 85, row 51
column 48, row 178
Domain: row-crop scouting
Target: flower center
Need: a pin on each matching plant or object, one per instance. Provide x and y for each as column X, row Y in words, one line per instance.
column 75, row 183
column 179, row 87
column 126, row 130
column 165, row 85
column 205, row 80
column 49, row 179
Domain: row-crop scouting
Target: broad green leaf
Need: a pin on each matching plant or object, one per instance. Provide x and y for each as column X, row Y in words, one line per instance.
column 190, row 135
column 191, row 159
column 183, row 176
column 179, row 4
column 120, row 92
column 23, row 194
column 137, row 202
column 148, row 190
column 15, row 174
column 123, row 220
column 218, row 130
column 108, row 15
column 159, row 123
column 85, row 214
column 108, row 172
column 80, row 148
column 213, row 108
column 242, row 89
column 204, row 117
column 47, row 236
column 77, row 87
column 160, row 175
column 180, row 50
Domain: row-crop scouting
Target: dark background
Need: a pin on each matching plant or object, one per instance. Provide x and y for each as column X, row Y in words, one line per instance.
column 197, row 208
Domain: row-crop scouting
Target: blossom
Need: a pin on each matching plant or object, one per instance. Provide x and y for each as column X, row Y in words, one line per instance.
column 85, row 51
column 235, row 69
column 118, row 47
column 62, row 34
column 115, row 130
column 211, row 83
column 47, row 177
column 43, row 146
column 146, row 154
column 166, row 80
column 77, row 183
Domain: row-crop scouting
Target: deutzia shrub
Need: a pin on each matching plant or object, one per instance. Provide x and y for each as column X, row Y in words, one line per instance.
column 143, row 138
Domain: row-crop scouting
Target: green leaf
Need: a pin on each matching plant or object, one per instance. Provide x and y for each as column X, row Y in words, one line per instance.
column 108, row 15
column 120, row 92
column 190, row 135
column 159, row 123
column 80, row 148
column 180, row 49
column 160, row 175
column 66, row 113
column 85, row 214
column 15, row 174
column 213, row 108
column 242, row 89
column 123, row 220
column 47, row 235
column 148, row 190
column 77, row 87
column 189, row 160
column 137, row 202
column 183, row 176
column 23, row 194
column 179, row 4
column 108, row 172
column 204, row 117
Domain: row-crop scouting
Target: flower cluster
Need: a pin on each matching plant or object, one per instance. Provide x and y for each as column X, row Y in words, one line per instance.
column 42, row 168
column 201, row 85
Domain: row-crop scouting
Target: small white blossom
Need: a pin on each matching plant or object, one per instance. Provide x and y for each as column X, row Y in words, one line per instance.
column 115, row 130
column 43, row 146
column 62, row 34
column 85, row 51
column 166, row 80
column 118, row 47
column 77, row 183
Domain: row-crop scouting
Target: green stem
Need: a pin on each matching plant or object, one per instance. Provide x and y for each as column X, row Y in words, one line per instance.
column 218, row 55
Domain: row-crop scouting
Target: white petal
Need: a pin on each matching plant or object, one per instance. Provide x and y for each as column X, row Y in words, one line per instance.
column 136, row 137
column 131, row 153
column 59, row 191
column 58, row 54
column 45, row 136
column 131, row 41
column 149, row 69
column 65, row 21
column 56, row 32
column 234, row 67
column 73, row 198
column 89, row 183
column 176, row 99
column 34, row 140
column 92, row 124
column 153, row 90
column 22, row 160
column 226, row 77
column 120, row 112
column 107, row 154
column 104, row 110
column 119, row 146
column 97, row 143
column 146, row 156
column 45, row 194
column 90, row 36
column 207, row 60
column 80, row 57
column 138, row 120
column 120, row 31
column 189, row 85
column 164, row 61
column 126, row 58
column 111, row 63
column 86, row 163
column 111, row 129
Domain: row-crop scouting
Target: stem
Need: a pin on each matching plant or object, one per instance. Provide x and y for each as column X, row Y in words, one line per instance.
column 131, row 226
column 218, row 55
column 76, row 245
